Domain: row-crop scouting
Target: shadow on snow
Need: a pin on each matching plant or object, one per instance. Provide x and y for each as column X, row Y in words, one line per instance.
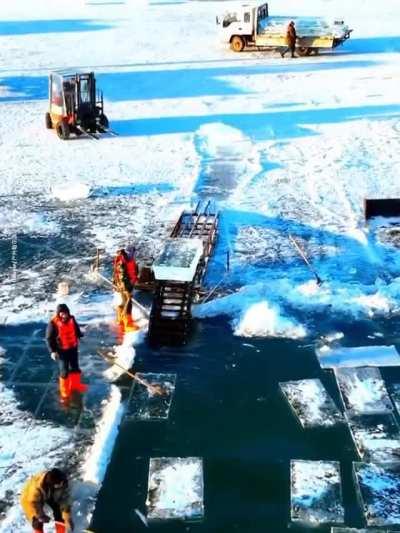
column 26, row 27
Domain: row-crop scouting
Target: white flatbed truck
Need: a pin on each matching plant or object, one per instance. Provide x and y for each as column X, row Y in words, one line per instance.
column 252, row 27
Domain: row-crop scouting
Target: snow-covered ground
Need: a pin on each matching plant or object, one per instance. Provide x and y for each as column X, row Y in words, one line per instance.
column 283, row 146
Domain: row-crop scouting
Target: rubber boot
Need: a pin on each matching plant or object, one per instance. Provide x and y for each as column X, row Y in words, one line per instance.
column 60, row 527
column 76, row 385
column 130, row 324
column 64, row 387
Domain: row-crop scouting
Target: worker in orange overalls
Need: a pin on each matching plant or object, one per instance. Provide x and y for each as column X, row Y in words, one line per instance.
column 47, row 489
column 62, row 336
column 125, row 276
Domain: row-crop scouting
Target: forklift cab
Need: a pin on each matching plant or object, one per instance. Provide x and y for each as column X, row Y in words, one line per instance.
column 74, row 102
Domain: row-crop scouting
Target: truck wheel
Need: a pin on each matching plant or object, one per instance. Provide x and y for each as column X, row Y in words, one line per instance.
column 304, row 51
column 63, row 130
column 49, row 124
column 237, row 43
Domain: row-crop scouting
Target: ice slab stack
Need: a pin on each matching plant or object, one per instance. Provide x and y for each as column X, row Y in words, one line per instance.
column 376, row 437
column 175, row 489
column 379, row 491
column 358, row 356
column 146, row 406
column 315, row 493
column 311, row 403
column 178, row 261
column 363, row 391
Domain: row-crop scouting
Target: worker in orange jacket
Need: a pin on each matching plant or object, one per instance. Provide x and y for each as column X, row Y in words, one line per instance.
column 62, row 336
column 47, row 489
column 125, row 276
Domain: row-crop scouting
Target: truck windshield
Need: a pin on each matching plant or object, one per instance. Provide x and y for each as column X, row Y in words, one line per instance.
column 228, row 19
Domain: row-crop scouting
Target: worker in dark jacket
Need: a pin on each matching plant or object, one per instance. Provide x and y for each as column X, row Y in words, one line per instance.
column 291, row 37
column 62, row 336
column 125, row 276
column 51, row 489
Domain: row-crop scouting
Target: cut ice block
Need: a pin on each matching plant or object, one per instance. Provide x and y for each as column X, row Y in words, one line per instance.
column 175, row 489
column 377, row 437
column 144, row 406
column 311, row 403
column 359, row 356
column 363, row 391
column 379, row 491
column 316, row 493
column 179, row 259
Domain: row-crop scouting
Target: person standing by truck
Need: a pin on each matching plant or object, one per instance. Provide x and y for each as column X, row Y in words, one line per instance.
column 291, row 37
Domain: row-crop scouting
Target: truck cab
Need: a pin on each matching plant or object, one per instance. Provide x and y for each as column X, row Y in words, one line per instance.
column 240, row 26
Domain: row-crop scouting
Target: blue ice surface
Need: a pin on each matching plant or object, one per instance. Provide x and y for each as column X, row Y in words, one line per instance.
column 284, row 124
column 177, row 83
column 27, row 27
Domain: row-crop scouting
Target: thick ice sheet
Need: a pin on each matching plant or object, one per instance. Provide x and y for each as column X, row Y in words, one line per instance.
column 311, row 403
column 175, row 488
column 178, row 260
column 358, row 356
column 315, row 492
column 363, row 391
column 144, row 405
column 377, row 437
column 379, row 487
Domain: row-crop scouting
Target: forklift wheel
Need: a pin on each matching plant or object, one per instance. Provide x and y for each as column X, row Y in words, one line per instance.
column 49, row 124
column 104, row 121
column 62, row 130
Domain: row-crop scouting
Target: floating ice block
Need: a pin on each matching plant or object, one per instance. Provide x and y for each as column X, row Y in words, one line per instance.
column 379, row 492
column 175, row 489
column 376, row 437
column 145, row 406
column 363, row 391
column 311, row 403
column 359, row 356
column 316, row 493
column 178, row 260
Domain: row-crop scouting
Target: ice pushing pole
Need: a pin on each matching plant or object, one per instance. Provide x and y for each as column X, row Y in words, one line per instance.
column 303, row 256
column 153, row 389
column 135, row 302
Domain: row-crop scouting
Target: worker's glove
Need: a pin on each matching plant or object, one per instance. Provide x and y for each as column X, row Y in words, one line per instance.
column 54, row 356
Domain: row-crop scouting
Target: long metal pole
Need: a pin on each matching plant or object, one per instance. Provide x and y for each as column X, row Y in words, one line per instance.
column 303, row 256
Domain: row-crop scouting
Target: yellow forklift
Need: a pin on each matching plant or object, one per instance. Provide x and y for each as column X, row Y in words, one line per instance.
column 75, row 107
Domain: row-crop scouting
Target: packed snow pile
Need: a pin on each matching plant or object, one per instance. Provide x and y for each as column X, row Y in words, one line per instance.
column 70, row 192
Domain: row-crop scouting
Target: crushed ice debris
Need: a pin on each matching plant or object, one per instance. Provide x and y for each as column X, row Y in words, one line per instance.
column 175, row 488
column 316, row 493
column 363, row 391
column 311, row 403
